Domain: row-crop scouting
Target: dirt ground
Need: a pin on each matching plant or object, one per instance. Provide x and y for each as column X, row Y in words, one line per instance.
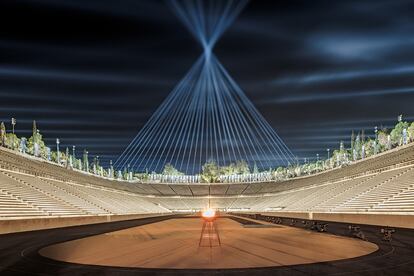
column 174, row 243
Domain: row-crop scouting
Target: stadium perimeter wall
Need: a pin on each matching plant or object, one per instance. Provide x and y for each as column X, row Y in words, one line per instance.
column 31, row 224
column 392, row 220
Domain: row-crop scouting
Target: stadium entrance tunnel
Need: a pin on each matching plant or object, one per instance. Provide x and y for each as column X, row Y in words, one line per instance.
column 174, row 244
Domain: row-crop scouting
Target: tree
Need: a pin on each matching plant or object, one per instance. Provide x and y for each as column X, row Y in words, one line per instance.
column 95, row 166
column 142, row 176
column 85, row 161
column 358, row 146
column 369, row 147
column 336, row 158
column 242, row 167
column 12, row 141
column 124, row 174
column 34, row 131
column 210, row 172
column 79, row 161
column 62, row 156
column 170, row 170
column 352, row 141
column 2, row 134
column 410, row 131
column 67, row 157
column 396, row 133
column 255, row 168
column 297, row 170
column 280, row 173
column 37, row 138
column 382, row 140
column 228, row 170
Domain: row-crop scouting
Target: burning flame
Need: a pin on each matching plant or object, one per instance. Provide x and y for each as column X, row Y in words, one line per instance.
column 209, row 213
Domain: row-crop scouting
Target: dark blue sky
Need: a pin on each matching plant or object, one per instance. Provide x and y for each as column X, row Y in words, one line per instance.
column 92, row 72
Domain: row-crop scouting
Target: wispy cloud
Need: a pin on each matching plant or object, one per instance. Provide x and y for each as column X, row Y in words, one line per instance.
column 362, row 46
column 56, row 74
column 312, row 97
column 322, row 77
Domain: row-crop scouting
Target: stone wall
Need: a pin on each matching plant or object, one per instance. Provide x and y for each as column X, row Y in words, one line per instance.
column 392, row 220
column 22, row 225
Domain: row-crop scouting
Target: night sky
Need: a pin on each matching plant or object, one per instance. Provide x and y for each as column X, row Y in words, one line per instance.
column 92, row 72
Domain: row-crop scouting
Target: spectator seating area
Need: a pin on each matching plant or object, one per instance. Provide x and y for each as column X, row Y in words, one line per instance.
column 361, row 194
column 31, row 187
column 25, row 195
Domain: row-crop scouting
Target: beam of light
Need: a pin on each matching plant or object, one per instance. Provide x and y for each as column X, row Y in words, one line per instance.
column 130, row 8
column 59, row 75
column 207, row 115
column 41, row 110
column 345, row 75
column 342, row 95
column 359, row 46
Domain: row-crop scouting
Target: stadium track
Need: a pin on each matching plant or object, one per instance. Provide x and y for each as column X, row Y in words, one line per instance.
column 19, row 254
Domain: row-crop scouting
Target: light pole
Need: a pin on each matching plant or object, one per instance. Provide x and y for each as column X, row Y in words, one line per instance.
column 87, row 161
column 111, row 169
column 13, row 122
column 328, row 150
column 376, row 140
column 57, row 150
column 389, row 142
column 404, row 136
column 36, row 144
column 73, row 152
